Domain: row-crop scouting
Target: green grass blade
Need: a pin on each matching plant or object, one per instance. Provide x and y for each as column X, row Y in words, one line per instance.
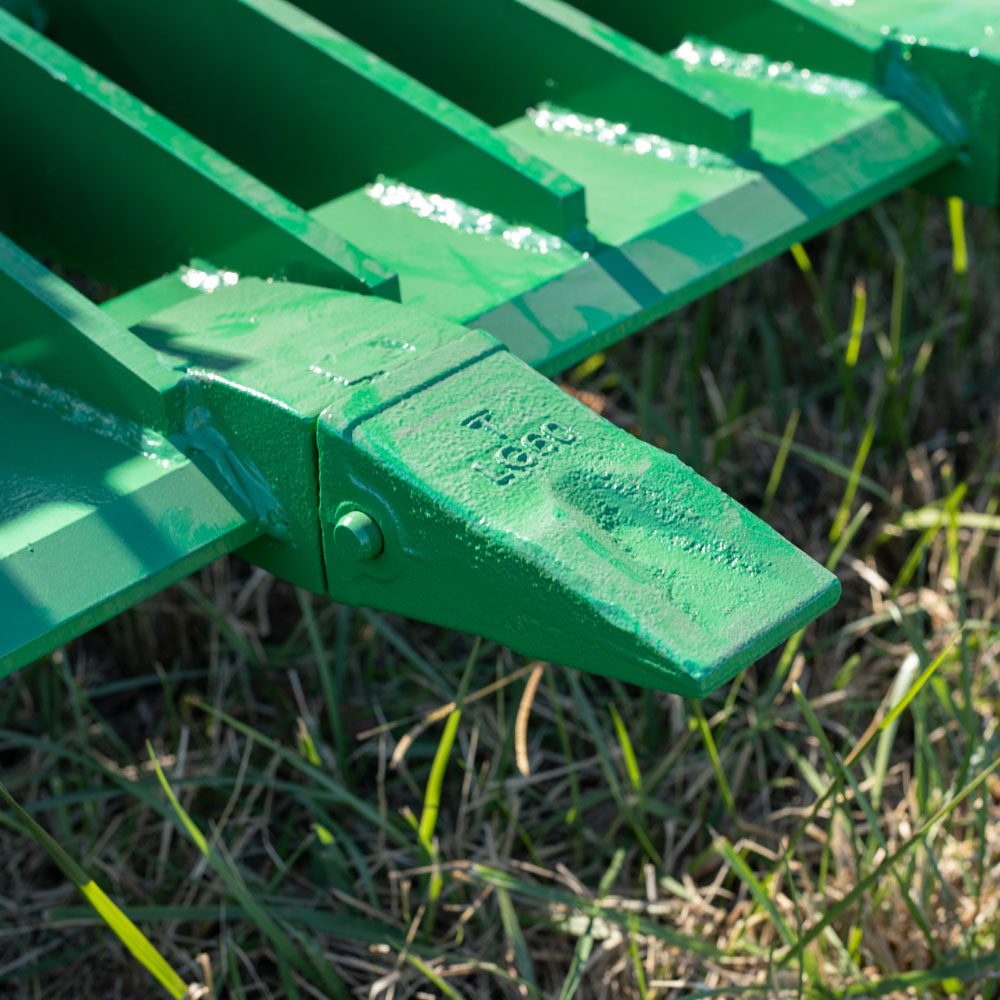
column 512, row 928
column 847, row 536
column 640, row 972
column 585, row 943
column 431, row 806
column 760, row 894
column 310, row 965
column 844, row 512
column 190, row 827
column 781, row 459
column 439, row 766
column 574, row 812
column 898, row 709
column 960, row 246
column 917, row 553
column 577, row 965
column 857, row 323
column 920, row 982
column 628, row 751
column 887, row 731
column 432, row 793
column 816, row 727
column 326, row 675
column 135, row 941
column 590, row 720
column 421, row 966
column 713, row 756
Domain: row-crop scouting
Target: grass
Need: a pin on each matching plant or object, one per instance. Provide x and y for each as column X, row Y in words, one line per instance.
column 341, row 803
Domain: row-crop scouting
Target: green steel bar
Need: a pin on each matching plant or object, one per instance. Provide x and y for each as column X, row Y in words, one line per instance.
column 926, row 53
column 538, row 50
column 51, row 329
column 328, row 116
column 742, row 219
column 950, row 52
column 668, row 230
column 805, row 32
column 97, row 180
column 90, row 524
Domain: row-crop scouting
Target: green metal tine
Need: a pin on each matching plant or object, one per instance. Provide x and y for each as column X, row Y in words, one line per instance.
column 498, row 57
column 438, row 476
column 949, row 53
column 327, row 117
column 896, row 46
column 797, row 30
column 98, row 180
column 56, row 332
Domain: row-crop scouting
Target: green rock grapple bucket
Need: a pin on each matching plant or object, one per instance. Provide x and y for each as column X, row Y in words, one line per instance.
column 340, row 246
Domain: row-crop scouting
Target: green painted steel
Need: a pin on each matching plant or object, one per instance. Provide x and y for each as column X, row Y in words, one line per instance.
column 540, row 50
column 376, row 473
column 94, row 519
column 534, row 521
column 103, row 183
column 251, row 182
column 315, row 95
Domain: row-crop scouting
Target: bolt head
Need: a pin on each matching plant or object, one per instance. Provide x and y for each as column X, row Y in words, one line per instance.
column 358, row 537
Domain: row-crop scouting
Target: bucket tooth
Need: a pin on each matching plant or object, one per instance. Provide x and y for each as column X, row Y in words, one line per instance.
column 420, row 468
column 486, row 499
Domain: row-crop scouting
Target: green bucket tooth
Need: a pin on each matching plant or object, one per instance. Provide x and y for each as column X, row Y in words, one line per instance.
column 528, row 519
column 534, row 522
